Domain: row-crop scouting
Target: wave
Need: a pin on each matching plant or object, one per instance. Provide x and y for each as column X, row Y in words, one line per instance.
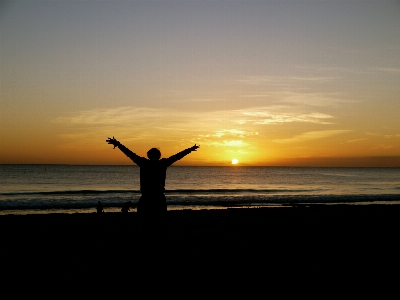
column 176, row 191
column 189, row 201
column 236, row 191
column 68, row 192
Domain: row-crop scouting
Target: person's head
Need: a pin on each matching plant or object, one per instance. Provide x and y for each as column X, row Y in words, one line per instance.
column 154, row 154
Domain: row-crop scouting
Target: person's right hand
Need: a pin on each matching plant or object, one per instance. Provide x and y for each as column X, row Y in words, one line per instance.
column 113, row 141
column 194, row 148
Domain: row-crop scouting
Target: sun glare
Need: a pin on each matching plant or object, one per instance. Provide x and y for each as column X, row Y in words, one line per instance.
column 234, row 161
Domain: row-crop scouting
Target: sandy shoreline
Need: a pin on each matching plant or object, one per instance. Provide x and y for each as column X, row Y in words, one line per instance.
column 288, row 240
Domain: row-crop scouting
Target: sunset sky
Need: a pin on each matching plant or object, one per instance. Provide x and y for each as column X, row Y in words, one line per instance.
column 268, row 83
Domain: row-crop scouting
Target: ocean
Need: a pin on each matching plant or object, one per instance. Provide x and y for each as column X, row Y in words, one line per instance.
column 28, row 189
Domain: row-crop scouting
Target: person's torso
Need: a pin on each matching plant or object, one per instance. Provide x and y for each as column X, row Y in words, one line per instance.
column 152, row 176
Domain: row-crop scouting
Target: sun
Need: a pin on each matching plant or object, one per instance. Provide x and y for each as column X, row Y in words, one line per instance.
column 234, row 161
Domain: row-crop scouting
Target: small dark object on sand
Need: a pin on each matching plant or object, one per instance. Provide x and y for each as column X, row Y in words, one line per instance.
column 100, row 207
column 126, row 207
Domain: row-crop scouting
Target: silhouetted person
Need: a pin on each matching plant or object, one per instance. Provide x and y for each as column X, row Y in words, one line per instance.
column 152, row 177
column 126, row 207
column 99, row 207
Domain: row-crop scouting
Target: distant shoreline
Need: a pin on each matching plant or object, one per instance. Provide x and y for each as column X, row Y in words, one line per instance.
column 212, row 166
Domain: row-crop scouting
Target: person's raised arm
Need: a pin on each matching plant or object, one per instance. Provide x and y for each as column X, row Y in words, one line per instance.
column 133, row 156
column 181, row 154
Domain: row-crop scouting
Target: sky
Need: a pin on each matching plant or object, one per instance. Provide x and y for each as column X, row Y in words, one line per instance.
column 269, row 83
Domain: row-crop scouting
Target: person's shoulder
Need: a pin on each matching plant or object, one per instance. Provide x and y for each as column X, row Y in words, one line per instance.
column 164, row 162
column 142, row 160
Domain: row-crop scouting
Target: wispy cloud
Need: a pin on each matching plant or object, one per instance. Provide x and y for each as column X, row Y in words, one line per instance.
column 383, row 146
column 388, row 136
column 329, row 70
column 262, row 118
column 387, row 70
column 198, row 100
column 314, row 78
column 256, row 80
column 129, row 116
column 300, row 96
column 313, row 99
column 312, row 135
column 228, row 143
column 120, row 115
column 229, row 128
column 262, row 80
column 357, row 140
column 236, row 132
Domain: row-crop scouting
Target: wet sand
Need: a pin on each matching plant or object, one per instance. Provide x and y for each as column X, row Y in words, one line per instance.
column 236, row 243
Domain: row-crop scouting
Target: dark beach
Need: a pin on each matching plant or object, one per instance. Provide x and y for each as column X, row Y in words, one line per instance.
column 283, row 242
